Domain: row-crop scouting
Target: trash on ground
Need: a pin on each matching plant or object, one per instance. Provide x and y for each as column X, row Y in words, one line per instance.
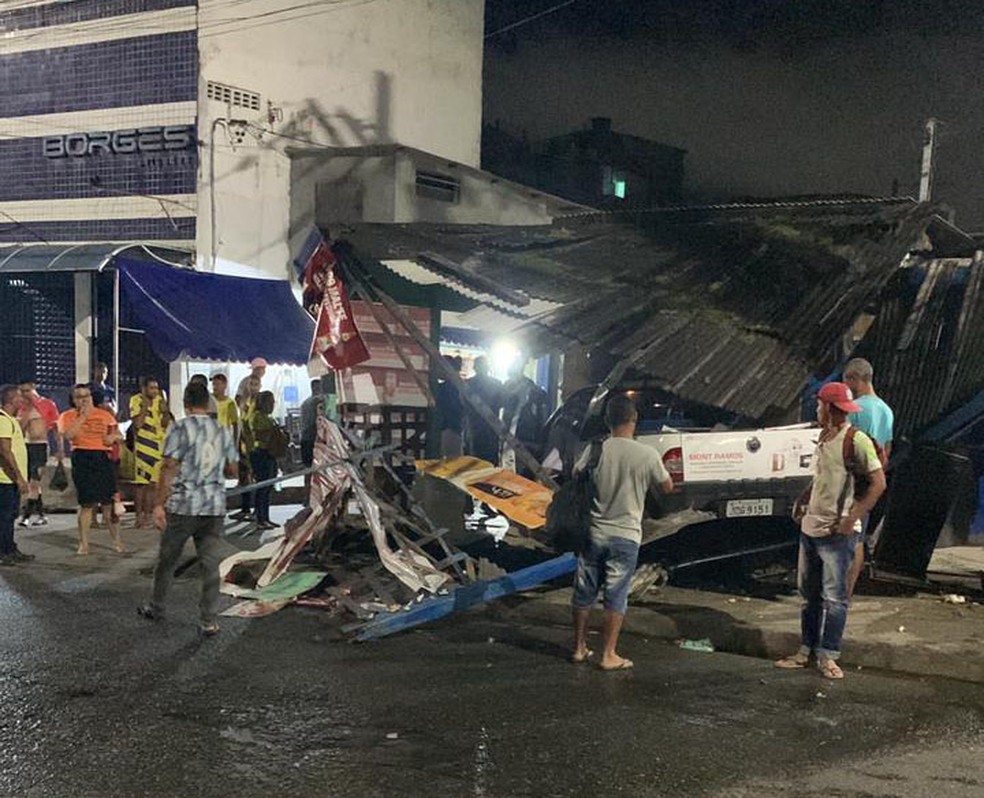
column 704, row 644
column 954, row 598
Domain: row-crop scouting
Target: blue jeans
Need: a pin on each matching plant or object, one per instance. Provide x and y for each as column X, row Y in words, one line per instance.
column 822, row 578
column 606, row 565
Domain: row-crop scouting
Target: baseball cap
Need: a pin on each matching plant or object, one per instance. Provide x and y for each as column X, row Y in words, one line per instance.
column 258, row 362
column 838, row 395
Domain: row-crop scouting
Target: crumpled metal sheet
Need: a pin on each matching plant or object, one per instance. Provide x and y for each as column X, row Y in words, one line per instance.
column 329, row 487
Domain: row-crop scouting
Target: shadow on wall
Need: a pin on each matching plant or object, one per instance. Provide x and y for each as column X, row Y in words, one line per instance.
column 315, row 127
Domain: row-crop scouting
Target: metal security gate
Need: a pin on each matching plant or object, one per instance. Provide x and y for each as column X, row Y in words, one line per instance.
column 37, row 332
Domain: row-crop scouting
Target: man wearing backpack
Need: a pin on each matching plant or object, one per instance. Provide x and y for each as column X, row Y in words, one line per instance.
column 845, row 459
column 875, row 419
column 625, row 473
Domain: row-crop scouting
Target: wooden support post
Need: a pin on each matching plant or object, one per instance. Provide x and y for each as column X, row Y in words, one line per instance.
column 437, row 361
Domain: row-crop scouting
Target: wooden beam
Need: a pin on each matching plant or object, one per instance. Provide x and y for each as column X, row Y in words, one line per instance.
column 437, row 361
column 404, row 358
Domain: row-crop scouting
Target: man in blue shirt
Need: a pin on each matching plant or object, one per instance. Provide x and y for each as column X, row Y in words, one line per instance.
column 199, row 455
column 875, row 419
column 99, row 374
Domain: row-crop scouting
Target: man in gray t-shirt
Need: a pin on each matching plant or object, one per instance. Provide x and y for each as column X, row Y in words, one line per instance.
column 626, row 472
column 199, row 455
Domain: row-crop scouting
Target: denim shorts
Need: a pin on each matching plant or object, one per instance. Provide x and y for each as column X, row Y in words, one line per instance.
column 606, row 567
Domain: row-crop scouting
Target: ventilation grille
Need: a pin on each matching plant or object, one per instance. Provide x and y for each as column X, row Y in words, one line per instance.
column 230, row 95
column 437, row 187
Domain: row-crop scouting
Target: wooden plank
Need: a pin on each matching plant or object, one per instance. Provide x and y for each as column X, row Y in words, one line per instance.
column 404, row 358
column 466, row 596
column 441, row 365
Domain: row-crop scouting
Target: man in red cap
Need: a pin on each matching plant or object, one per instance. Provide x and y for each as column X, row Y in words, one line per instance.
column 828, row 528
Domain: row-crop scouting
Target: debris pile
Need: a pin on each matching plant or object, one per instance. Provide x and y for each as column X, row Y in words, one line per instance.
column 411, row 573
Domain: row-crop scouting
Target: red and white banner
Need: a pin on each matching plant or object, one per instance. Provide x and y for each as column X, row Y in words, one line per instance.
column 337, row 342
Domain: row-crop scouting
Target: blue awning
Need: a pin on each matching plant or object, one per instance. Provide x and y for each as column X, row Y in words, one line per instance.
column 189, row 314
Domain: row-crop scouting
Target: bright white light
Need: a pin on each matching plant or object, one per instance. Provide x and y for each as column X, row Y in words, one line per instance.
column 504, row 355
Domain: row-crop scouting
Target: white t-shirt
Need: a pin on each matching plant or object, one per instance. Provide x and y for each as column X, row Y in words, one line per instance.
column 626, row 472
column 830, row 476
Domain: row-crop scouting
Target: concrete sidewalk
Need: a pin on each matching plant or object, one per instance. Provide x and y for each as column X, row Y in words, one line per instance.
column 918, row 634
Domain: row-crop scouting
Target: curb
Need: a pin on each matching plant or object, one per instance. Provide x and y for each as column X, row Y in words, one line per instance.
column 727, row 634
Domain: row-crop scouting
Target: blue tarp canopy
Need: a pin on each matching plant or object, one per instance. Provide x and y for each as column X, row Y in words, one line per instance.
column 189, row 314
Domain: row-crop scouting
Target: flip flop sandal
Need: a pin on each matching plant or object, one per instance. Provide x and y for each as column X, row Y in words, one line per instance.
column 793, row 663
column 576, row 660
column 624, row 665
column 829, row 669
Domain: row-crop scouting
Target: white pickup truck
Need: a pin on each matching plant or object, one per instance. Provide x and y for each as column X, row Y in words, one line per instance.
column 732, row 473
column 739, row 472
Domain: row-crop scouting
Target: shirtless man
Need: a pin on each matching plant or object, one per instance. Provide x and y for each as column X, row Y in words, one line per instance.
column 37, row 416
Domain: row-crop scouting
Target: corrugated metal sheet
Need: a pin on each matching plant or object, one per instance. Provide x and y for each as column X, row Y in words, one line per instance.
column 733, row 305
column 927, row 344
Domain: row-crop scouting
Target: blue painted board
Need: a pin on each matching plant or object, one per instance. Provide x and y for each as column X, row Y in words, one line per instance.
column 466, row 596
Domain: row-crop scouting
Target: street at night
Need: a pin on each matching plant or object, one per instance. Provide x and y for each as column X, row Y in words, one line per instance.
column 99, row 702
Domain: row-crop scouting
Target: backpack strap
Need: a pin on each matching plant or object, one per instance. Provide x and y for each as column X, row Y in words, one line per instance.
column 847, row 452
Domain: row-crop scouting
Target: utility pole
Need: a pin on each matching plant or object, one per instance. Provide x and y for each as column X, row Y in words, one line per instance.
column 929, row 148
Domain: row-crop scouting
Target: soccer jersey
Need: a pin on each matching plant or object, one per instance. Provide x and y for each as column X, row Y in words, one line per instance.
column 10, row 428
column 97, row 425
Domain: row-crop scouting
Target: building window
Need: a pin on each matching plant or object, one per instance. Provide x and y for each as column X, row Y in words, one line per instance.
column 233, row 97
column 614, row 183
column 437, row 187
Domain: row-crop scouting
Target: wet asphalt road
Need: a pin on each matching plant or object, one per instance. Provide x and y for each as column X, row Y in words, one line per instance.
column 98, row 702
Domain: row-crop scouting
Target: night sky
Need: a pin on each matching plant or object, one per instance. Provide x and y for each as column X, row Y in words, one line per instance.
column 769, row 97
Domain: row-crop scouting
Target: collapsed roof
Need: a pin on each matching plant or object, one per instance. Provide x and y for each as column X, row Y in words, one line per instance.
column 729, row 306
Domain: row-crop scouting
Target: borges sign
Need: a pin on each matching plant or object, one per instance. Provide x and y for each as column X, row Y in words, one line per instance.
column 121, row 142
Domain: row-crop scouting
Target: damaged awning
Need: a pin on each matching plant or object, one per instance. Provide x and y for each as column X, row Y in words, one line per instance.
column 91, row 257
column 188, row 314
column 729, row 306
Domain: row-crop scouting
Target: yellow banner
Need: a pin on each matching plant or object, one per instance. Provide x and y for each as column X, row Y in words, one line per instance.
column 519, row 499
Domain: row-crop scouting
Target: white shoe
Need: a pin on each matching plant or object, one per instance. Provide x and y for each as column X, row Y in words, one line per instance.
column 25, row 522
column 36, row 520
column 42, row 521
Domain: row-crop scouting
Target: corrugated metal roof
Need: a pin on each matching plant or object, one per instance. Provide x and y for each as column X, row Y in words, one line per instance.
column 927, row 343
column 733, row 305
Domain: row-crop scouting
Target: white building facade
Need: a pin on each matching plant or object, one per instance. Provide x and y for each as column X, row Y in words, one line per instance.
column 169, row 120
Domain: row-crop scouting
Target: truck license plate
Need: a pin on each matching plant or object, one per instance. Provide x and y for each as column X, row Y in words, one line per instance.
column 738, row 508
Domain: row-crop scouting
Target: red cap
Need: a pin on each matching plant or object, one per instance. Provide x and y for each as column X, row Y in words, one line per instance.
column 838, row 395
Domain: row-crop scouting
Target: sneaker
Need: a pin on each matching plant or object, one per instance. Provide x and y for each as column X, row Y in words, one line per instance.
column 42, row 520
column 208, row 629
column 20, row 556
column 24, row 522
column 36, row 520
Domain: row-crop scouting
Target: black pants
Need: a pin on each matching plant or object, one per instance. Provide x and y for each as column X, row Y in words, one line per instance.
column 264, row 467
column 9, row 505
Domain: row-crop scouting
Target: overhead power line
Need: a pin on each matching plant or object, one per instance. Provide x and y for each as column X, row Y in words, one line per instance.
column 531, row 18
